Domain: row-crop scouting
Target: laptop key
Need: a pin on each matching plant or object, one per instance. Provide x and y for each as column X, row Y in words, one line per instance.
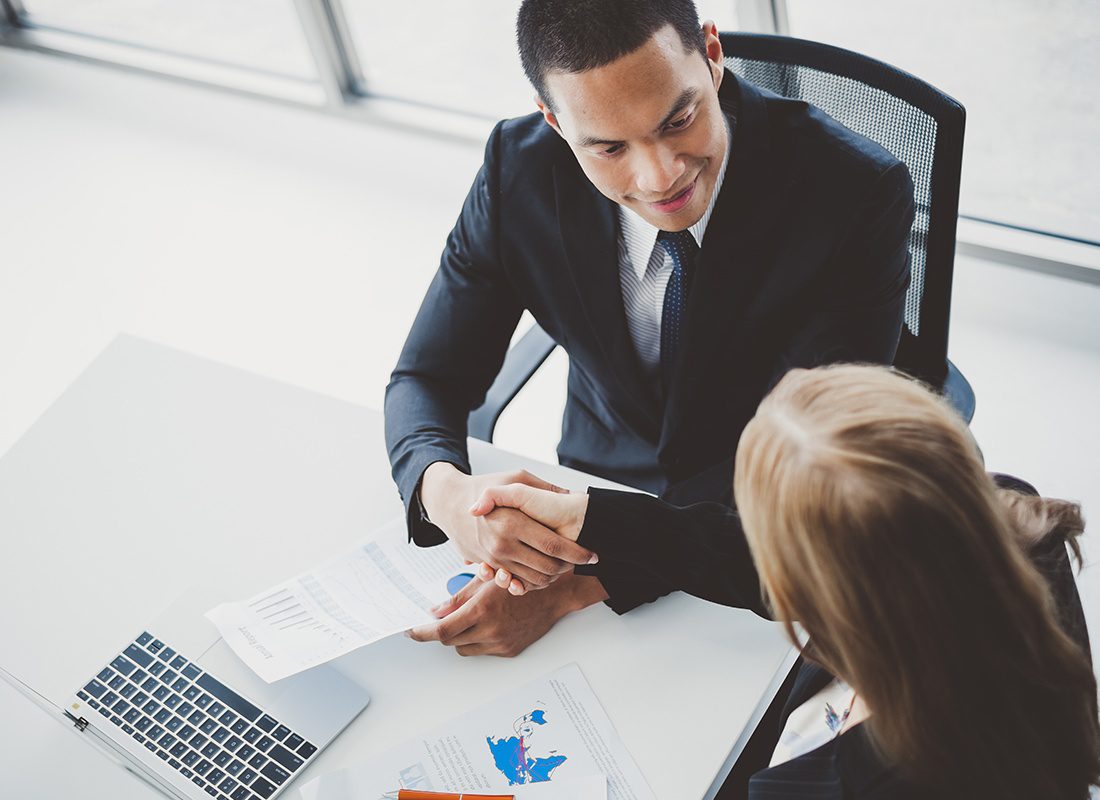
column 257, row 761
column 173, row 700
column 167, row 740
column 104, row 711
column 163, row 715
column 149, row 684
column 210, row 790
column 215, row 709
column 143, row 723
column 281, row 732
column 161, row 692
column 162, row 755
column 185, row 732
column 196, row 718
column 138, row 656
column 191, row 692
column 166, row 654
column 284, row 757
column 203, row 767
column 122, row 666
column 139, row 699
column 156, row 669
column 178, row 749
column 174, row 724
column 144, row 638
column 155, row 732
column 127, row 729
column 185, row 709
column 116, row 682
column 155, row 646
column 222, row 758
column 94, row 704
column 178, row 662
column 251, row 735
column 275, row 773
column 120, row 707
column 109, row 699
column 127, row 690
column 150, row 746
column 139, row 676
column 168, row 676
column 227, row 718
column 191, row 672
column 240, row 726
column 105, row 674
column 246, row 752
column 263, row 788
column 203, row 700
column 247, row 775
column 83, row 695
column 116, row 721
column 95, row 689
column 199, row 741
column 220, row 735
column 209, row 726
column 185, row 772
column 235, row 767
column 211, row 750
column 190, row 757
column 232, row 743
column 139, row 738
column 180, row 685
column 151, row 707
column 240, row 794
column 215, row 775
column 227, row 785
column 266, row 724
column 293, row 741
column 131, row 715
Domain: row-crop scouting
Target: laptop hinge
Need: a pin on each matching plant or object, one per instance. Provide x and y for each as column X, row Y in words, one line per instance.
column 78, row 722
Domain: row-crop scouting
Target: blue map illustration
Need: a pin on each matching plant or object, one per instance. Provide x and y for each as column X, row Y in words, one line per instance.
column 513, row 757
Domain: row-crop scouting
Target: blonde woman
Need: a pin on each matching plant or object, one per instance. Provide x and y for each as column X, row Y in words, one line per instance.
column 939, row 663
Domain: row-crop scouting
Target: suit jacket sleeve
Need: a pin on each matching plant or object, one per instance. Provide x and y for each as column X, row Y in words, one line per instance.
column 454, row 350
column 700, row 549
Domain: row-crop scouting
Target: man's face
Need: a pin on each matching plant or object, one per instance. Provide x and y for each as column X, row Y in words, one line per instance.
column 647, row 129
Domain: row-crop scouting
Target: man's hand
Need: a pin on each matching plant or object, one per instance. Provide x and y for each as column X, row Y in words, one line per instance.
column 503, row 538
column 562, row 513
column 483, row 619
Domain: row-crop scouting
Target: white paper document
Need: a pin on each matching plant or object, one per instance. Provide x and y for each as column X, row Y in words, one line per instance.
column 547, row 740
column 382, row 587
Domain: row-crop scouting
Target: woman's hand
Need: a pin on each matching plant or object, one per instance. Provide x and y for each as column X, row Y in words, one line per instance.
column 562, row 513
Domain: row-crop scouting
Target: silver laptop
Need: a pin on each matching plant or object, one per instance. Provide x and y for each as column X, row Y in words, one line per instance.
column 173, row 704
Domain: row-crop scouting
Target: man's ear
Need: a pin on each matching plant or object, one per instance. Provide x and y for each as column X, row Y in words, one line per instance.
column 548, row 115
column 714, row 52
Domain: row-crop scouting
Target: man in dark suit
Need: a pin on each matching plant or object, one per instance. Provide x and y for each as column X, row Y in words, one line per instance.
column 686, row 237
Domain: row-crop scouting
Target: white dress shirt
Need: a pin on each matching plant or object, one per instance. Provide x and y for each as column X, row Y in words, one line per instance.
column 644, row 270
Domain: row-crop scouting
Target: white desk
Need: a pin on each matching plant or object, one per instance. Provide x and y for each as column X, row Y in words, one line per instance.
column 155, row 457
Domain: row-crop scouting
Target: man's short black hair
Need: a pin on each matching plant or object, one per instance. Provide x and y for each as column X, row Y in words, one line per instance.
column 577, row 35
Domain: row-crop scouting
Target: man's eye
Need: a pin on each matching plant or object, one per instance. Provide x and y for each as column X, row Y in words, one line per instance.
column 610, row 151
column 680, row 123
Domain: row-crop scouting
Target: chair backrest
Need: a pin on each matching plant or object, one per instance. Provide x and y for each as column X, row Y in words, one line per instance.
column 918, row 124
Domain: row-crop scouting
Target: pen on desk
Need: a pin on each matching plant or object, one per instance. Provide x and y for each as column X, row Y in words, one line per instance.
column 416, row 794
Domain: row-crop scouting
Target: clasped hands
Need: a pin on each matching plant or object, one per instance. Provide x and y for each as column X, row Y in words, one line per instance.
column 522, row 531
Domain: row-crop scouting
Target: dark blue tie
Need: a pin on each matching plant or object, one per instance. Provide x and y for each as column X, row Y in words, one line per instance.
column 683, row 249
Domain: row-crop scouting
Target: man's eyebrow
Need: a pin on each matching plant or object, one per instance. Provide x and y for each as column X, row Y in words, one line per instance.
column 686, row 98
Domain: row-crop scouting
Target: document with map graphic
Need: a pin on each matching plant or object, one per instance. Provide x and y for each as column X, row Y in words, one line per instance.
column 382, row 587
column 549, row 739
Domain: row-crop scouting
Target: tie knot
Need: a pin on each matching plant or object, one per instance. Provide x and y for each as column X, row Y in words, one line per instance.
column 680, row 245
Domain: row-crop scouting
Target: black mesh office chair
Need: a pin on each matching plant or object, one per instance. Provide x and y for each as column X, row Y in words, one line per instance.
column 916, row 122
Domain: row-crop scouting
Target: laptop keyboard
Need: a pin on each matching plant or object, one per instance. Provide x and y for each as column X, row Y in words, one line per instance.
column 212, row 736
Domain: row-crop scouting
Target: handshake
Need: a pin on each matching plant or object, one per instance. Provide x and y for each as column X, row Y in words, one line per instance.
column 521, row 529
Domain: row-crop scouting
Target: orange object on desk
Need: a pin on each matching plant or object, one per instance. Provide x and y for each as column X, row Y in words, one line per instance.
column 416, row 794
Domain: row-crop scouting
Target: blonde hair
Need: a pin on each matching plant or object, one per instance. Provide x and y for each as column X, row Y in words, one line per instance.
column 874, row 525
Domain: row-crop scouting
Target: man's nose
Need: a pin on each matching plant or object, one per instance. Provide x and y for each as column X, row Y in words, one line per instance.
column 657, row 170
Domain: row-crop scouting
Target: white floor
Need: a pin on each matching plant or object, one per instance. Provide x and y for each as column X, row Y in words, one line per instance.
column 298, row 245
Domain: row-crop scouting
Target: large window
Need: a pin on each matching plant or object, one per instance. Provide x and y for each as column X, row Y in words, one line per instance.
column 1025, row 71
column 264, row 35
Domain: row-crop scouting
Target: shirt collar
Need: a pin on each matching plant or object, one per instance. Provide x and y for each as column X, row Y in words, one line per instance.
column 640, row 237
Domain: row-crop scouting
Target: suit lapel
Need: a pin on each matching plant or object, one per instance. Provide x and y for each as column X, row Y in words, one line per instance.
column 588, row 226
column 727, row 278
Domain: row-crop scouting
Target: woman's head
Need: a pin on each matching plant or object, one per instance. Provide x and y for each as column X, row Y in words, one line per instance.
column 874, row 525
